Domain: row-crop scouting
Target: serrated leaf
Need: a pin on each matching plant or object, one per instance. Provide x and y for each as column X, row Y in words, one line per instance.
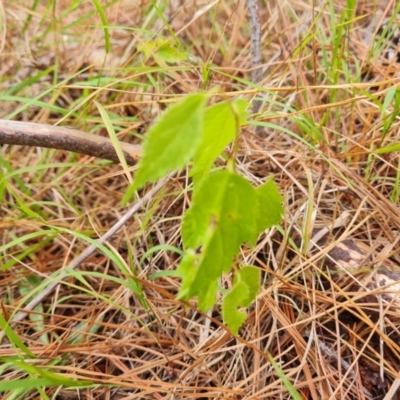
column 147, row 48
column 221, row 123
column 187, row 271
column 250, row 276
column 222, row 217
column 172, row 141
column 244, row 290
column 167, row 52
column 270, row 208
column 163, row 49
column 224, row 201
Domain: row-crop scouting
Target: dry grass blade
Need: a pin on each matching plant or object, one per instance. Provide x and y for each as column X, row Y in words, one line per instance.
column 3, row 27
column 54, row 282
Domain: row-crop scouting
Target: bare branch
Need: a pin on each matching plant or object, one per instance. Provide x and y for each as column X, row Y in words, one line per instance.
column 57, row 137
column 255, row 40
column 255, row 47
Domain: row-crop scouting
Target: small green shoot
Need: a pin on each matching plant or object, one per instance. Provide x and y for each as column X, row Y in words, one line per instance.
column 244, row 290
column 227, row 211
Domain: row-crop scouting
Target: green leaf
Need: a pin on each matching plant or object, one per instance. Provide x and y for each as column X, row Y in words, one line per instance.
column 244, row 290
column 147, row 48
column 222, row 217
column 162, row 49
column 221, row 124
column 167, row 52
column 270, row 208
column 187, row 271
column 225, row 201
column 171, row 142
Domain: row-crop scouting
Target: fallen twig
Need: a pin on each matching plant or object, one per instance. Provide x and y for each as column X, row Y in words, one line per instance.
column 255, row 47
column 57, row 137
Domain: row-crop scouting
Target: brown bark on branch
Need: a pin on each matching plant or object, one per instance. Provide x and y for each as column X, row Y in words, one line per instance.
column 57, row 137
